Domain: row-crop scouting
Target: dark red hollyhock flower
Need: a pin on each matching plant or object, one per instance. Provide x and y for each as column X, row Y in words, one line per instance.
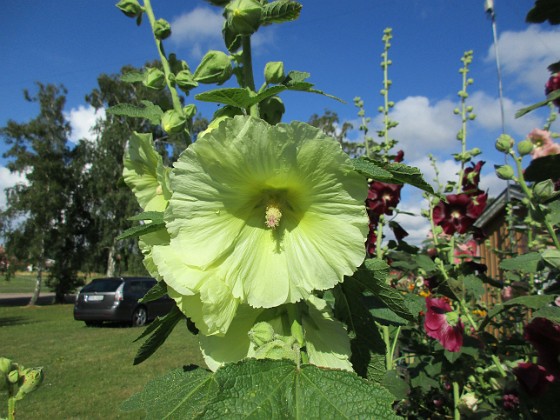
column 399, row 156
column 371, row 239
column 534, row 379
column 551, row 85
column 471, row 177
column 382, row 197
column 510, row 401
column 460, row 212
column 544, row 335
column 443, row 324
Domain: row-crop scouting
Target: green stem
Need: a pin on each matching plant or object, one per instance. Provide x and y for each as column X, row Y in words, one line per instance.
column 499, row 366
column 296, row 328
column 248, row 78
column 11, row 408
column 165, row 64
column 387, row 340
column 394, row 346
column 456, row 400
column 379, row 237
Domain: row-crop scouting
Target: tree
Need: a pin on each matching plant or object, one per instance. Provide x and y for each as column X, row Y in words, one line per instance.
column 329, row 123
column 37, row 211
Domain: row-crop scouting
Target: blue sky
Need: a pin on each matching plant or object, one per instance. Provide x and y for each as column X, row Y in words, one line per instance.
column 73, row 41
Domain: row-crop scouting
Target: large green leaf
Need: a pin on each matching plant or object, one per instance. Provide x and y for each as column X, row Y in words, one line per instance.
column 394, row 173
column 273, row 389
column 159, row 290
column 549, row 312
column 372, row 278
column 156, row 223
column 549, row 98
column 238, row 97
column 527, row 263
column 148, row 111
column 157, row 332
column 530, row 302
column 367, row 345
column 280, row 11
column 295, row 80
column 180, row 394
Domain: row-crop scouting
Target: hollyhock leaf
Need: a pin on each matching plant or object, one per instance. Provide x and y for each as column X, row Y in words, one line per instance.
column 182, row 393
column 280, row 11
column 552, row 96
column 551, row 313
column 368, row 348
column 395, row 384
column 157, row 332
column 281, row 203
column 238, row 97
column 372, row 278
column 527, row 263
column 408, row 174
column 148, row 110
column 278, row 388
column 551, row 256
column 372, row 169
column 141, row 230
column 157, row 291
column 530, row 302
column 553, row 214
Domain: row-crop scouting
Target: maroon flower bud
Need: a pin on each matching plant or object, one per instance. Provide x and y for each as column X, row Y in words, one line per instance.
column 471, row 177
column 551, row 85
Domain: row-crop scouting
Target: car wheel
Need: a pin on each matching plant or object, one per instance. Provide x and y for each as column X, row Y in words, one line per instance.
column 139, row 317
column 93, row 323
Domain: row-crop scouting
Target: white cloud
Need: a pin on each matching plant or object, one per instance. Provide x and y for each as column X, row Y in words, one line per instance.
column 82, row 120
column 526, row 54
column 488, row 115
column 7, row 180
column 199, row 29
column 423, row 126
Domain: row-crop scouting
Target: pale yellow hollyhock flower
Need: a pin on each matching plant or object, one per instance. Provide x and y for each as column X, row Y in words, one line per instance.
column 274, row 212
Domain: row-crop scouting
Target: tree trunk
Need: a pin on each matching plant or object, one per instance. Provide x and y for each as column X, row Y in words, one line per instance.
column 38, row 283
column 111, row 261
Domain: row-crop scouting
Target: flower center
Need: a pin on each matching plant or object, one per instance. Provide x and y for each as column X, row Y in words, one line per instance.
column 456, row 214
column 272, row 215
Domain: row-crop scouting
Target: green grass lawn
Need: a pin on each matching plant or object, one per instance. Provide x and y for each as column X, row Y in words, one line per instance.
column 21, row 283
column 88, row 371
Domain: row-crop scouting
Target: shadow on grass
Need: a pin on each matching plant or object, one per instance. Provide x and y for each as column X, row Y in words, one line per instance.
column 11, row 321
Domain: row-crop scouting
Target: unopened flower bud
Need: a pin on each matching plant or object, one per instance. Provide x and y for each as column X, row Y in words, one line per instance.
column 190, row 110
column 131, row 8
column 215, row 67
column 261, row 333
column 274, row 72
column 525, row 147
column 173, row 121
column 185, row 81
column 505, row 172
column 243, row 17
column 5, row 365
column 272, row 109
column 13, row 376
column 32, row 378
column 504, row 143
column 162, row 29
column 544, row 190
column 475, row 151
column 154, row 78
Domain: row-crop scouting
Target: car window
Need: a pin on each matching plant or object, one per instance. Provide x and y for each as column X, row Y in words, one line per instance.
column 135, row 287
column 102, row 285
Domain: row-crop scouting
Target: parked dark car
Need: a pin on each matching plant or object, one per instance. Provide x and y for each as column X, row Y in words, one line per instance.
column 116, row 299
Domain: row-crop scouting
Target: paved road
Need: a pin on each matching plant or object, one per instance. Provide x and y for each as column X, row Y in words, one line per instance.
column 22, row 299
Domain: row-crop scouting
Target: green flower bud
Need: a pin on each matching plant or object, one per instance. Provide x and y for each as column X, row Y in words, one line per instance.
column 524, row 147
column 184, row 79
column 32, row 378
column 261, row 333
column 5, row 365
column 13, row 376
column 227, row 111
column 177, row 65
column 243, row 17
column 162, row 29
column 272, row 110
column 154, row 78
column 190, row 110
column 131, row 8
column 274, row 72
column 475, row 151
column 544, row 190
column 215, row 67
column 173, row 121
column 504, row 143
column 505, row 172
